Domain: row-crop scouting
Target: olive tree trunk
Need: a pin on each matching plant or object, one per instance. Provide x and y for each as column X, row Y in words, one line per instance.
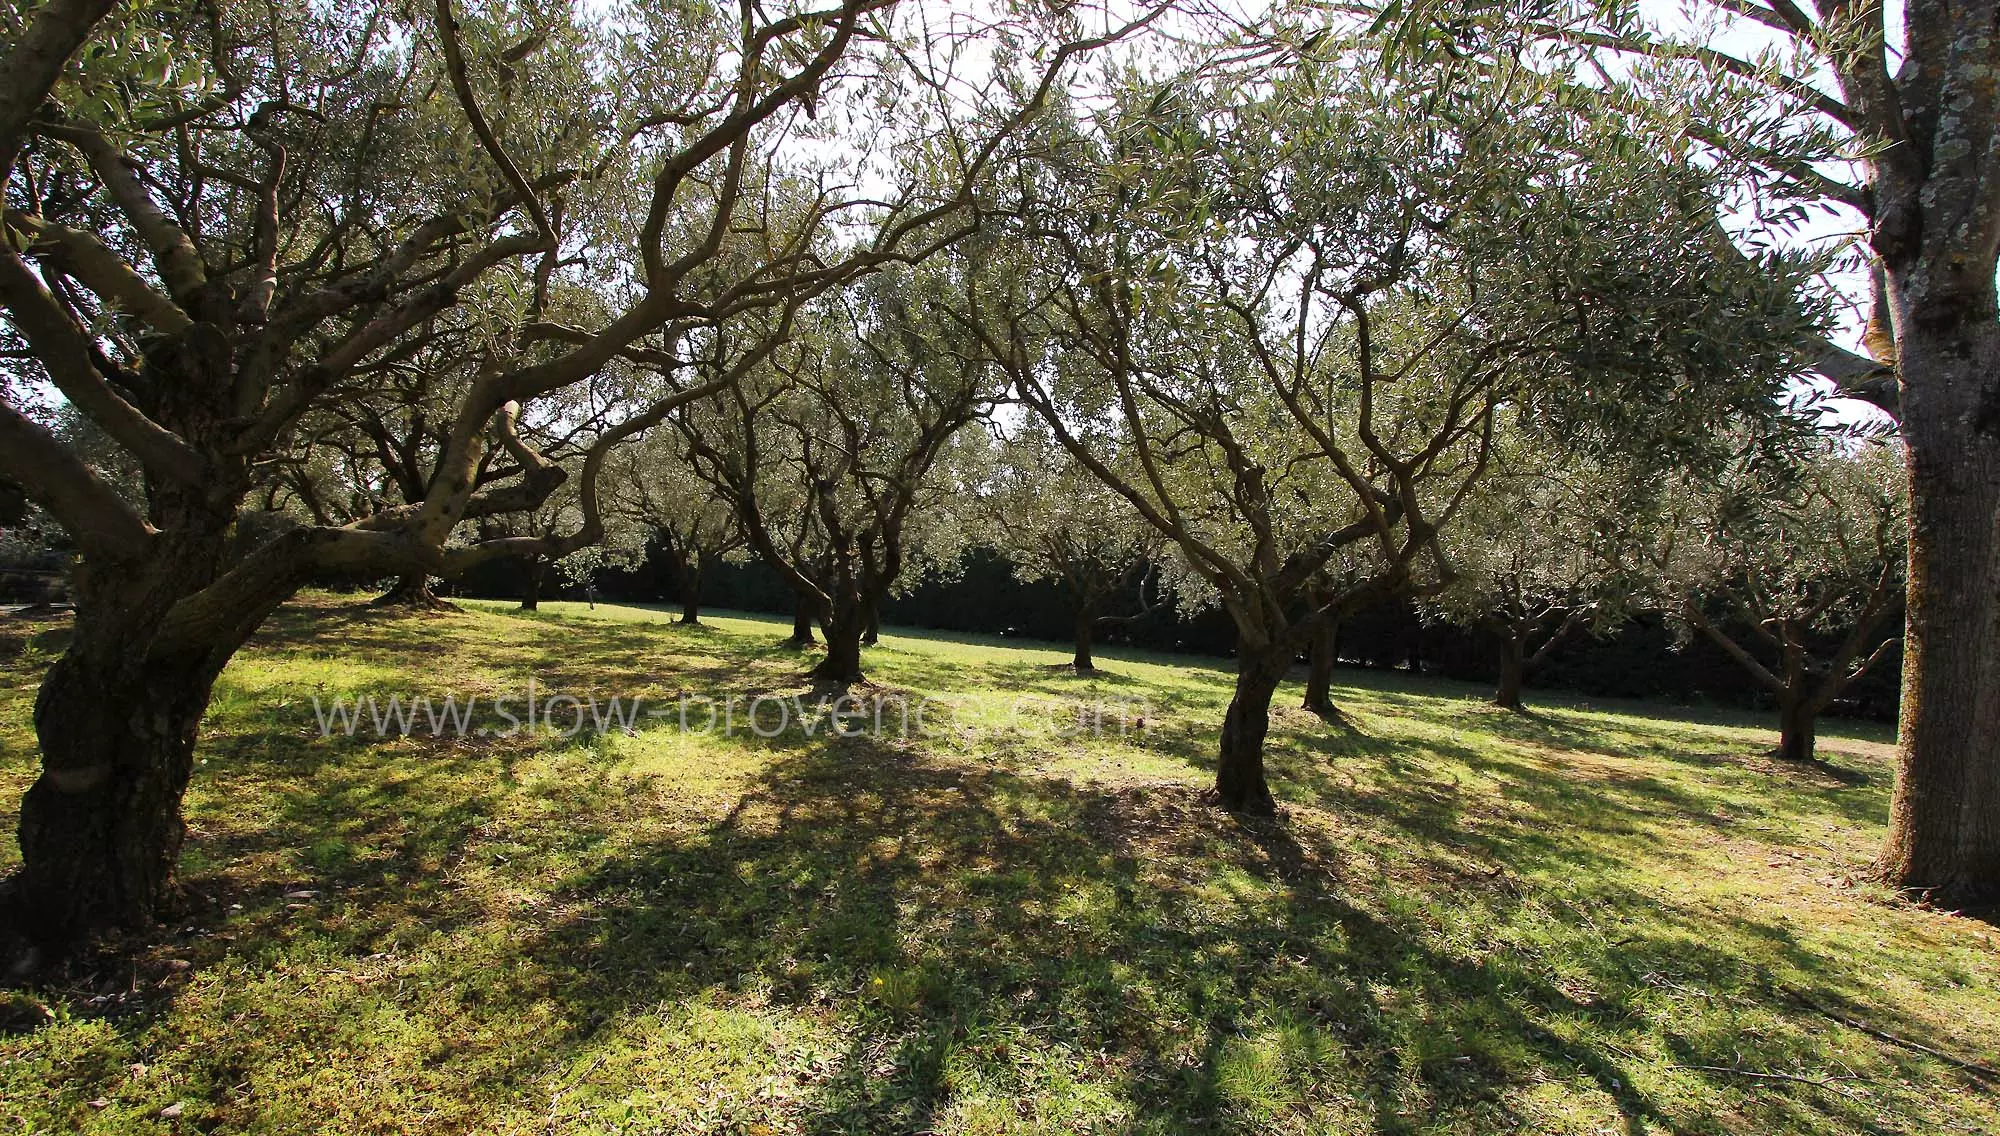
column 1513, row 672
column 101, row 828
column 846, row 622
column 116, row 720
column 1798, row 727
column 1086, row 634
column 531, row 589
column 804, row 613
column 414, row 591
column 1240, row 785
column 1321, row 655
column 1944, row 820
column 688, row 569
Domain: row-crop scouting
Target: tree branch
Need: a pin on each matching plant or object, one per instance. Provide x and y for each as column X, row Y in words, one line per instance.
column 31, row 67
column 65, row 352
column 58, row 480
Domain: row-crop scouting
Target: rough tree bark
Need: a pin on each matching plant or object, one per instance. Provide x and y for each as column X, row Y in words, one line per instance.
column 1944, row 820
column 853, row 599
column 845, row 623
column 1240, row 785
column 687, row 566
column 101, row 828
column 1798, row 727
column 691, row 593
column 117, row 717
column 871, row 631
column 1933, row 203
column 1927, row 115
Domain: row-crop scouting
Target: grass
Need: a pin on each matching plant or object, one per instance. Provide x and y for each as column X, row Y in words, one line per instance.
column 1594, row 918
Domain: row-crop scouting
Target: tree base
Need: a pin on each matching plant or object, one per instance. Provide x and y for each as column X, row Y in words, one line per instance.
column 1325, row 710
column 843, row 677
column 1981, row 896
column 1252, row 805
column 416, row 599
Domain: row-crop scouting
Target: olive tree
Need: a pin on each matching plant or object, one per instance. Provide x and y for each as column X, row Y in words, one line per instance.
column 1304, row 301
column 830, row 433
column 1542, row 553
column 654, row 486
column 1054, row 521
column 219, row 215
column 1892, row 129
column 1794, row 572
column 378, row 449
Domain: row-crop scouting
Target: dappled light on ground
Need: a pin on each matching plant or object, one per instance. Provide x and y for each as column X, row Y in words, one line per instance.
column 1586, row 919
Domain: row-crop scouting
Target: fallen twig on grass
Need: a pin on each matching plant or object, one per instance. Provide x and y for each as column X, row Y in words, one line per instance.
column 1986, row 1071
column 1796, row 1078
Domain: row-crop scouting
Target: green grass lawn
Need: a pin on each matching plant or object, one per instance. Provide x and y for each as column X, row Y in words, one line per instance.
column 1596, row 918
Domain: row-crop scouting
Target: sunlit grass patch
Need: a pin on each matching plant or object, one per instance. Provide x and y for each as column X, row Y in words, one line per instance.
column 1597, row 916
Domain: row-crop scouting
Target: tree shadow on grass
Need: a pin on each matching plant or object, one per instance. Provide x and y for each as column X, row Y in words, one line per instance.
column 1518, row 813
column 932, row 909
column 1841, row 790
column 1375, row 962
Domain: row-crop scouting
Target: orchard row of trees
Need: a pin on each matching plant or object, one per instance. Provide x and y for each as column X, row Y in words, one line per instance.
column 1315, row 313
column 1792, row 568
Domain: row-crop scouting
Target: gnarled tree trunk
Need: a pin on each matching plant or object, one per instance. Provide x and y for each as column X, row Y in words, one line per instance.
column 1798, row 726
column 1934, row 205
column 1321, row 656
column 117, row 717
column 690, row 585
column 687, row 566
column 531, row 588
column 1240, row 785
column 845, row 623
column 871, row 628
column 101, row 828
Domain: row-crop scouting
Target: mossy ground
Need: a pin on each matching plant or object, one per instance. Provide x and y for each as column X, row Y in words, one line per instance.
column 1592, row 918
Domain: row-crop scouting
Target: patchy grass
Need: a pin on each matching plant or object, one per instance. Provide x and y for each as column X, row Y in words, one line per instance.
column 1595, row 918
